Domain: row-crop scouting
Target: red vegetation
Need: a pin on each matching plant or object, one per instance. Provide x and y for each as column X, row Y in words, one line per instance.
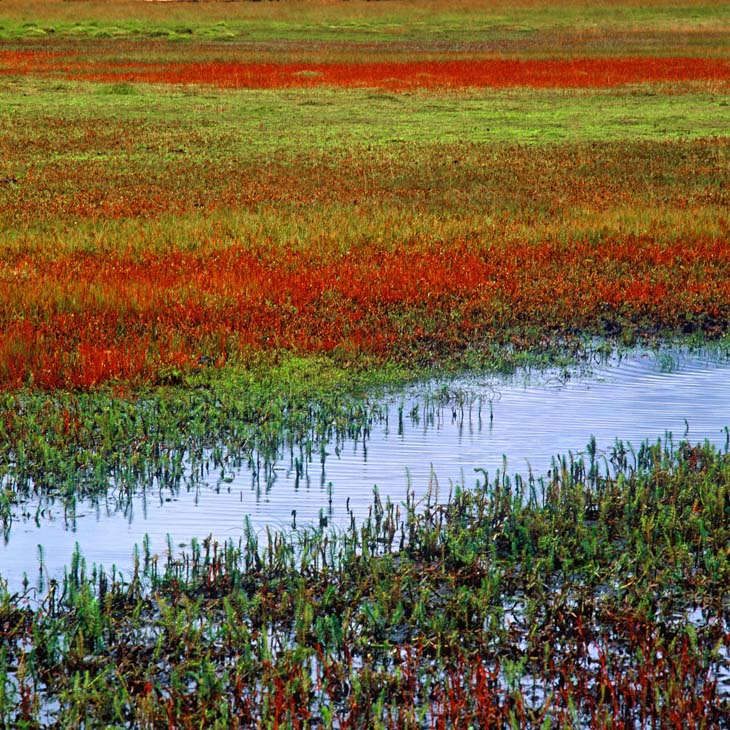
column 85, row 319
column 654, row 681
column 486, row 73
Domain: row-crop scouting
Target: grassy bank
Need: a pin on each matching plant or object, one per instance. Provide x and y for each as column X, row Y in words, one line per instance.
column 410, row 212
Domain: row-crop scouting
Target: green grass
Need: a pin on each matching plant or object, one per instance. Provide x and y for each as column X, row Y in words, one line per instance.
column 74, row 446
column 263, row 121
column 536, row 27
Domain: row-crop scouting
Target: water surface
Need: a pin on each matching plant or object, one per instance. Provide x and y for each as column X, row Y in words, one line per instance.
column 435, row 435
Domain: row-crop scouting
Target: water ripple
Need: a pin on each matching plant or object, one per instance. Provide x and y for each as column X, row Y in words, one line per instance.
column 435, row 436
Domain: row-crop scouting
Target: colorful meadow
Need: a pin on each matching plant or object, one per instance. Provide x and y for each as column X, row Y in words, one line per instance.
column 222, row 222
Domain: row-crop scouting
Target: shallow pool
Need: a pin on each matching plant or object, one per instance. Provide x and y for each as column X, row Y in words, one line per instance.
column 434, row 436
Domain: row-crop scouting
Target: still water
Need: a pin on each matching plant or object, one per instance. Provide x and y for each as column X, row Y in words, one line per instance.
column 435, row 436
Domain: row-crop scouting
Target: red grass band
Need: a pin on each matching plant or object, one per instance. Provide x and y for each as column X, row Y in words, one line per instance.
column 460, row 73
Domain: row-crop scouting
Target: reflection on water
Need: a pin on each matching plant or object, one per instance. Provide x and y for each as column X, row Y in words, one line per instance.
column 432, row 438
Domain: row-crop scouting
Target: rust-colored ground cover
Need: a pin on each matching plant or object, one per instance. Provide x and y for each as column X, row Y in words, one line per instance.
column 456, row 73
column 157, row 228
column 84, row 319
column 121, row 272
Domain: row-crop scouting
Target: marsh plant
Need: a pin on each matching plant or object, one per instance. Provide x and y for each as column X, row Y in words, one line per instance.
column 583, row 599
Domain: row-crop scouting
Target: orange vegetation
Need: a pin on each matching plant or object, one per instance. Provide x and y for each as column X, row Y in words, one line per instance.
column 486, row 73
column 86, row 318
